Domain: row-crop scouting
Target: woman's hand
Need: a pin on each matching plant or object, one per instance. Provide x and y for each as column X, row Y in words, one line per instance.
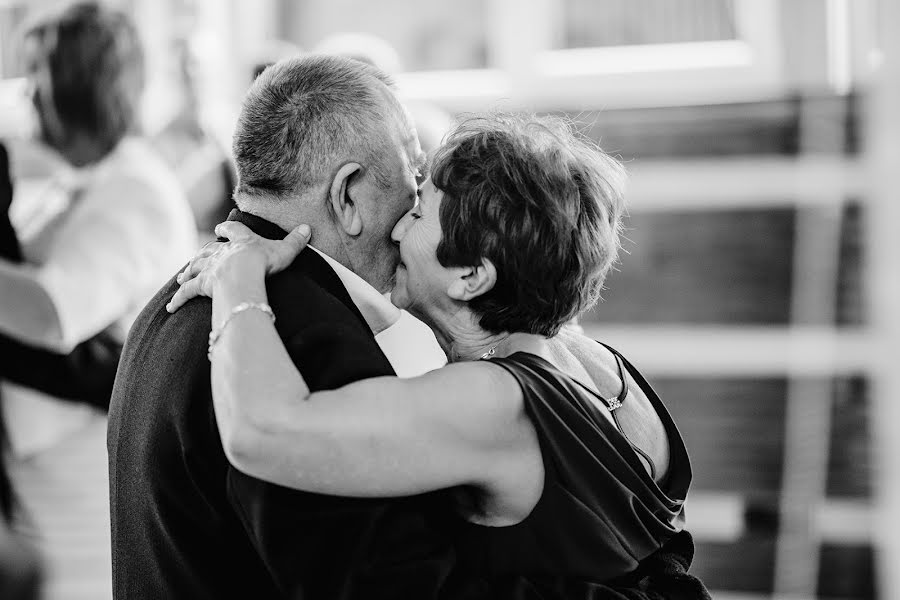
column 244, row 252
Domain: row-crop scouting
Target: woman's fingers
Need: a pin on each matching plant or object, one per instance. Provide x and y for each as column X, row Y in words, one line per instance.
column 185, row 273
column 284, row 252
column 207, row 250
column 194, row 268
column 298, row 238
column 200, row 271
column 190, row 289
column 234, row 231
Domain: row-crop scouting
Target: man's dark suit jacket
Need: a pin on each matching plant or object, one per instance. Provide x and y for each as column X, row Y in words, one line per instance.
column 185, row 524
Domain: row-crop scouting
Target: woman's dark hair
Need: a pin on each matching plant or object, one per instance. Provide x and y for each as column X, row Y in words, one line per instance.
column 539, row 201
column 94, row 64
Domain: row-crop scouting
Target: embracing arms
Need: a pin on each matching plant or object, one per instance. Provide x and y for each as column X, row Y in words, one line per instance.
column 377, row 437
column 461, row 424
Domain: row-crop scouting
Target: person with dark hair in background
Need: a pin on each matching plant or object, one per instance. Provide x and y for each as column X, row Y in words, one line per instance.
column 565, row 475
column 86, row 266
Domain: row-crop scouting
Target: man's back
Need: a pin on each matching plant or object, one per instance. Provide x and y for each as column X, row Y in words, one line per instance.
column 187, row 524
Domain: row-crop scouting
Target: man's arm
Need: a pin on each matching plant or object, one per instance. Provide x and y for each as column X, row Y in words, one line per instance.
column 86, row 374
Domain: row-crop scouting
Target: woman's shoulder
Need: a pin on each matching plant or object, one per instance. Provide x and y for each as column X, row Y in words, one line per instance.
column 634, row 411
column 481, row 384
column 483, row 402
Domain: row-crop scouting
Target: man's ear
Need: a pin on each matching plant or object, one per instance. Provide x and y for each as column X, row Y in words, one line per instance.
column 346, row 210
column 471, row 282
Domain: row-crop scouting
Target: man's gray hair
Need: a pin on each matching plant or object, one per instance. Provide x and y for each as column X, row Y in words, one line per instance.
column 304, row 114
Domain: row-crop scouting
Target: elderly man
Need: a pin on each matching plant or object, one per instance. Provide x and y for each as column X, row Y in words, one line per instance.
column 322, row 141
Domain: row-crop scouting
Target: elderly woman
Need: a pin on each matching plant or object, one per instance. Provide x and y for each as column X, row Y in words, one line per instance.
column 563, row 462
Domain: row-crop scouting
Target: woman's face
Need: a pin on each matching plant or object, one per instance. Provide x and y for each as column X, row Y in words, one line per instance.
column 421, row 282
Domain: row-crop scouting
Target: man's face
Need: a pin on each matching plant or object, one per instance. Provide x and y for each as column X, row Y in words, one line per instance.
column 402, row 161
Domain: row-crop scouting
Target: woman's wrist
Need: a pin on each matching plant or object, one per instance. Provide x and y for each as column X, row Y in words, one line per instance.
column 231, row 290
column 238, row 281
column 245, row 273
column 216, row 333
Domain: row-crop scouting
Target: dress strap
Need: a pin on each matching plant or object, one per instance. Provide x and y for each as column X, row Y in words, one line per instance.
column 612, row 404
column 615, row 403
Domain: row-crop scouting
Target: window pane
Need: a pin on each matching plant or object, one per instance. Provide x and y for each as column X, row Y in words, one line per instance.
column 592, row 23
column 709, row 411
column 427, row 34
column 710, row 266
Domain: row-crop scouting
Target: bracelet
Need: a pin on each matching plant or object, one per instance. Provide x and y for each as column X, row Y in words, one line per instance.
column 216, row 333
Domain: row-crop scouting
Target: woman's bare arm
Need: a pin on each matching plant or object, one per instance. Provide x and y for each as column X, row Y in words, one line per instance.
column 380, row 437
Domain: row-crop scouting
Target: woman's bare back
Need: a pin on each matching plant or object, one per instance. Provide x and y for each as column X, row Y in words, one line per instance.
column 595, row 367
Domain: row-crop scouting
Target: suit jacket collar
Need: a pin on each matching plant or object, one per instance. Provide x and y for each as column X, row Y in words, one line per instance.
column 260, row 226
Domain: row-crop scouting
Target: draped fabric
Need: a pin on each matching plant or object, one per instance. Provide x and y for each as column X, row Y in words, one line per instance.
column 661, row 576
column 600, row 513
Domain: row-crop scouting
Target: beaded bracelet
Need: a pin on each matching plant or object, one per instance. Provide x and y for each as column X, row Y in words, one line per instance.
column 216, row 333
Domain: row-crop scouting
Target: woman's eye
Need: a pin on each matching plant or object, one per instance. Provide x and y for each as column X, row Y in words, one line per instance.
column 415, row 215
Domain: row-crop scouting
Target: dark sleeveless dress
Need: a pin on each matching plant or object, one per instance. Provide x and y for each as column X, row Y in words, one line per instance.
column 600, row 512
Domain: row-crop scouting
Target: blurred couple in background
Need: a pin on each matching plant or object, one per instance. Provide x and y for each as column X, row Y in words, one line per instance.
column 76, row 260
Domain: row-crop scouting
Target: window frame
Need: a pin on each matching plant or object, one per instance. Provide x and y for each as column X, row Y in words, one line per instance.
column 527, row 70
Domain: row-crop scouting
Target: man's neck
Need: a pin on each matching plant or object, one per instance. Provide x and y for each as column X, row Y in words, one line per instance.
column 289, row 214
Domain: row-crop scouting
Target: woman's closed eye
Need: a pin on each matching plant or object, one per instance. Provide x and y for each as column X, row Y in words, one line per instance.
column 416, row 211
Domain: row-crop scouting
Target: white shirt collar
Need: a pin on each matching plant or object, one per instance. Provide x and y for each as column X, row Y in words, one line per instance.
column 377, row 310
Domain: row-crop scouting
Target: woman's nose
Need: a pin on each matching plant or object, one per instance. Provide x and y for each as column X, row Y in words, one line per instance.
column 400, row 228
